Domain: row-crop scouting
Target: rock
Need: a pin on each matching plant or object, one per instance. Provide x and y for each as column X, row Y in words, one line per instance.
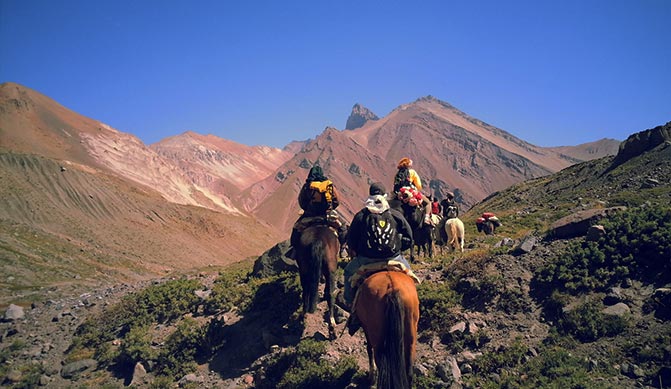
column 359, row 116
column 660, row 302
column 459, row 327
column 14, row 312
column 139, row 374
column 641, row 142
column 271, row 262
column 248, row 379
column 619, row 309
column 525, row 247
column 75, row 368
column 613, row 297
column 595, row 232
column 578, row 223
column 190, row 379
column 449, row 371
column 14, row 376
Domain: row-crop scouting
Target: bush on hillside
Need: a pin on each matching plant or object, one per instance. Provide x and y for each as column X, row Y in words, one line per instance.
column 637, row 244
column 130, row 320
column 305, row 366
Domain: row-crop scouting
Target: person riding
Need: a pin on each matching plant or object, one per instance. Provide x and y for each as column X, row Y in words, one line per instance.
column 435, row 206
column 406, row 176
column 450, row 207
column 318, row 198
column 377, row 236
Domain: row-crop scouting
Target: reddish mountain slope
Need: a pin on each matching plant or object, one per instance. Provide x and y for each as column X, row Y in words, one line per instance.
column 220, row 165
column 451, row 151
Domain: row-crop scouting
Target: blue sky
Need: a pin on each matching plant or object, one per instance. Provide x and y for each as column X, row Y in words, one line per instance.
column 268, row 72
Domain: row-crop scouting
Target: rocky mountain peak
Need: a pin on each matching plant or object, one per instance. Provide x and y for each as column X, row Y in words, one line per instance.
column 360, row 115
column 641, row 142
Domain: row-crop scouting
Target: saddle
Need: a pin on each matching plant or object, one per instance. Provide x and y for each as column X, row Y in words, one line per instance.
column 391, row 265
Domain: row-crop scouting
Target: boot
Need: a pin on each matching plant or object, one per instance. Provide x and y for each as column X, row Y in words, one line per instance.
column 353, row 324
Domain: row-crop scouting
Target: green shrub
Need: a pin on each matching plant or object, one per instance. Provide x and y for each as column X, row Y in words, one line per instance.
column 435, row 301
column 136, row 347
column 178, row 357
column 587, row 323
column 133, row 315
column 305, row 367
column 515, row 367
column 637, row 244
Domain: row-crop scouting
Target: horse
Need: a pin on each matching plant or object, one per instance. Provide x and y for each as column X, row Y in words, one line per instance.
column 317, row 255
column 422, row 233
column 388, row 309
column 454, row 228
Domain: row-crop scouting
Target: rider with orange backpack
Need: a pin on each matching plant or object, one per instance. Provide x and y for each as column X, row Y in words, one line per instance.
column 318, row 199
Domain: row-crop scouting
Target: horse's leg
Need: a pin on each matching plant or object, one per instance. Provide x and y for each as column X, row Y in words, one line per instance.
column 329, row 292
column 371, row 362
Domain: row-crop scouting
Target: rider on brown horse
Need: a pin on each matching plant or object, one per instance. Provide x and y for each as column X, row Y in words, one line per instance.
column 318, row 199
column 377, row 235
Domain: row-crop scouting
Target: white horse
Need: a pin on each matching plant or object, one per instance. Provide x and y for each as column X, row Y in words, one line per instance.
column 454, row 228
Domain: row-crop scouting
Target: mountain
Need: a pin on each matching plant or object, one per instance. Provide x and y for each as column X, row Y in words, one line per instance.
column 83, row 203
column 219, row 165
column 360, row 115
column 73, row 179
column 450, row 150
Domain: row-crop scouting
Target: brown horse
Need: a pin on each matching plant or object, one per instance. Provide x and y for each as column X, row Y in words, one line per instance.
column 317, row 255
column 388, row 308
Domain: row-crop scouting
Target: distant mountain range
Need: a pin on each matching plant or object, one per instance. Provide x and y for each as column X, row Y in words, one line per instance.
column 196, row 199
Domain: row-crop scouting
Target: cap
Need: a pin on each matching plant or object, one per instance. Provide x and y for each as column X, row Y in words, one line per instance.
column 377, row 188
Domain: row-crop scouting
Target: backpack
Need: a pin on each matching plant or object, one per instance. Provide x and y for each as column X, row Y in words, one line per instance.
column 382, row 239
column 452, row 212
column 322, row 192
column 402, row 179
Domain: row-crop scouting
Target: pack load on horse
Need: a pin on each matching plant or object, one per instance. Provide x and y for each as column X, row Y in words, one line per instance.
column 377, row 236
column 487, row 223
column 388, row 309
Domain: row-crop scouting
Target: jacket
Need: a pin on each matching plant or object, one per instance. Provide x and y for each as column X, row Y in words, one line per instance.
column 356, row 235
column 311, row 208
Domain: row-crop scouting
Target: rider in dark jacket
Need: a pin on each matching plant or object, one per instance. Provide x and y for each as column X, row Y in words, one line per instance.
column 364, row 255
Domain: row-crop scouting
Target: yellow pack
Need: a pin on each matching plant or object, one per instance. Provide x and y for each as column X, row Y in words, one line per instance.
column 324, row 188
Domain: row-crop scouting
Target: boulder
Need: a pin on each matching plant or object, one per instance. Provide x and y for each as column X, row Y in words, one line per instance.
column 577, row 224
column 272, row 262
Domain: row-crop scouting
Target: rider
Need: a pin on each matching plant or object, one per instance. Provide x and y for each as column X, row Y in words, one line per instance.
column 318, row 198
column 365, row 251
column 450, row 207
column 435, row 206
column 415, row 182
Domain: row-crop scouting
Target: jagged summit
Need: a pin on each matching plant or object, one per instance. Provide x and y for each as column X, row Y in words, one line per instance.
column 360, row 115
column 641, row 142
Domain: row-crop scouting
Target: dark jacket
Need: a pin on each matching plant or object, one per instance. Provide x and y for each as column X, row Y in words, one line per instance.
column 356, row 235
column 311, row 208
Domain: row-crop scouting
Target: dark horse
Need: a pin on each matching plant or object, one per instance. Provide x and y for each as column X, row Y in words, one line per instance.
column 422, row 233
column 317, row 255
column 388, row 308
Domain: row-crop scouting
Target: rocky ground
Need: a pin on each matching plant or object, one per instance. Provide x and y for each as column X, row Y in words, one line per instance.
column 43, row 332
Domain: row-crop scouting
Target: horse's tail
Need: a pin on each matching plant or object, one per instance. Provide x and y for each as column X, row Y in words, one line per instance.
column 318, row 251
column 392, row 365
column 454, row 240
